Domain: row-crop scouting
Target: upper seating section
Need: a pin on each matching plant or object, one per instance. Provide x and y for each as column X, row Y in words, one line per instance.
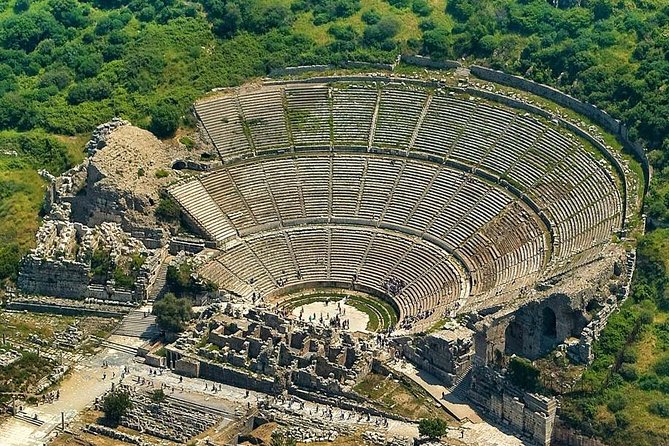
column 551, row 168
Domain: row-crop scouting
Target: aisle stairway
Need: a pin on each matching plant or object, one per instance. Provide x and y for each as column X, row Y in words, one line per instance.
column 138, row 324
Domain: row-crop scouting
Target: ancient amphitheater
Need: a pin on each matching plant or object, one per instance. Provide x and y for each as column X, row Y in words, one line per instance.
column 436, row 200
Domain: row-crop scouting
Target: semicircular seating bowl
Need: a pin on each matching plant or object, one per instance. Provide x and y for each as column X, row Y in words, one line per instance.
column 433, row 201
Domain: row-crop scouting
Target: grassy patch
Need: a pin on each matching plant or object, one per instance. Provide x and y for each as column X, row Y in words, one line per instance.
column 406, row 399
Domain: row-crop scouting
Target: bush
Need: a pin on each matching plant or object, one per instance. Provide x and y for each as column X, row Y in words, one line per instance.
column 172, row 313
column 659, row 408
column 162, row 173
column 524, row 374
column 628, row 372
column 662, row 366
column 432, row 427
column 616, row 403
column 164, row 120
column 371, row 17
column 115, row 405
column 622, row 419
column 168, row 210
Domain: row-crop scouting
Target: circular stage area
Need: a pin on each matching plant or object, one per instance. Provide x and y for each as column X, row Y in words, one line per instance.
column 352, row 312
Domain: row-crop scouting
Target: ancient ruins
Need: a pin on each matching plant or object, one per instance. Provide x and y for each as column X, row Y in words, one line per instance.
column 466, row 223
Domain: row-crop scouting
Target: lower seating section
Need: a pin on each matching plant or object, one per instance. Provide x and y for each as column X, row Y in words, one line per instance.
column 203, row 210
column 419, row 276
column 411, row 196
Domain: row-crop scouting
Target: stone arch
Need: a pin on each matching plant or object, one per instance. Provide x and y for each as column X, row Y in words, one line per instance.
column 548, row 322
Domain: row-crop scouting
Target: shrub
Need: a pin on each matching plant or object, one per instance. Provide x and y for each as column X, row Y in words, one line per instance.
column 659, row 408
column 432, row 427
column 622, row 419
column 616, row 403
column 187, row 141
column 164, row 120
column 172, row 313
column 115, row 405
column 524, row 374
column 371, row 17
column 662, row 366
column 168, row 210
column 162, row 173
column 628, row 372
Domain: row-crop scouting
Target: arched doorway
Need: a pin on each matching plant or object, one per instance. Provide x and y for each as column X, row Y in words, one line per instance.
column 549, row 323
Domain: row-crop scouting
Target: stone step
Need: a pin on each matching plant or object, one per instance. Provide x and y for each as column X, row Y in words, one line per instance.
column 28, row 419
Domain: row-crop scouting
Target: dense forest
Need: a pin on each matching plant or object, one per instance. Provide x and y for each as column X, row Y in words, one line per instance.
column 68, row 65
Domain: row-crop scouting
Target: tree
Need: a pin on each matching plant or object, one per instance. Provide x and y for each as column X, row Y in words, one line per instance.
column 21, row 6
column 116, row 404
column 172, row 313
column 168, row 210
column 437, row 42
column 523, row 374
column 432, row 428
column 164, row 120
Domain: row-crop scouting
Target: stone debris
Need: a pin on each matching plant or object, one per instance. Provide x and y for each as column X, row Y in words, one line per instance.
column 169, row 419
column 9, row 357
column 101, row 133
column 115, row 434
column 282, row 352
column 60, row 264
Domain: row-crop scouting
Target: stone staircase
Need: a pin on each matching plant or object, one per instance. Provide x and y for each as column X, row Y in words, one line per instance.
column 136, row 325
column 461, row 382
column 159, row 287
column 116, row 346
column 28, row 419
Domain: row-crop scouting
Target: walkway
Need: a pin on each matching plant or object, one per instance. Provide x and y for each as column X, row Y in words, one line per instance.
column 78, row 391
column 453, row 404
column 474, row 431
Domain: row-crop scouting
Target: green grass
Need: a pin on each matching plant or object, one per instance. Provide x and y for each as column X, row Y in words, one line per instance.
column 381, row 314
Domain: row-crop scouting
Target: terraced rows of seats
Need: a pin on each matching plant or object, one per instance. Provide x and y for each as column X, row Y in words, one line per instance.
column 367, row 258
column 353, row 158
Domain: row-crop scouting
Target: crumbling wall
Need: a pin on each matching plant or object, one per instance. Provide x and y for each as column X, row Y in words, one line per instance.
column 528, row 414
column 445, row 354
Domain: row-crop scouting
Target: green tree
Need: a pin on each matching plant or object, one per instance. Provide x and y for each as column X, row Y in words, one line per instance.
column 115, row 405
column 432, row 428
column 164, row 120
column 523, row 374
column 172, row 313
column 168, row 210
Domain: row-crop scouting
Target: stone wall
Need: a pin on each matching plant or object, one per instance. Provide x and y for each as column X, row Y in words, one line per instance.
column 582, row 351
column 238, row 378
column 423, row 61
column 445, row 354
column 53, row 277
column 530, row 415
column 566, row 436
